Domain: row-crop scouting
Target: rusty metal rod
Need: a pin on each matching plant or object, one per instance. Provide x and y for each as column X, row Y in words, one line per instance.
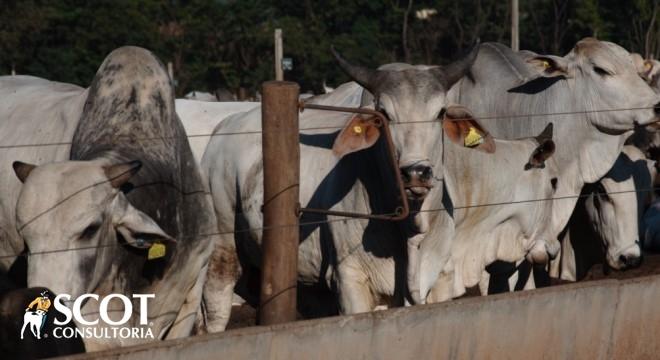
column 401, row 212
column 281, row 162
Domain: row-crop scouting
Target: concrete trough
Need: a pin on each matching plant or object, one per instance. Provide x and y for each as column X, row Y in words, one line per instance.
column 607, row 319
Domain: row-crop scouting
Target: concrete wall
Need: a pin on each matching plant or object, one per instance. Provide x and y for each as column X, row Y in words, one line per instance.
column 607, row 319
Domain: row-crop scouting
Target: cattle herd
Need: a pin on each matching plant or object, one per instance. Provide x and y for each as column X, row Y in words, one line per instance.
column 510, row 161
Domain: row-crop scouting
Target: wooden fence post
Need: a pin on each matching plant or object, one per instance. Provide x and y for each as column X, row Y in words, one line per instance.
column 281, row 161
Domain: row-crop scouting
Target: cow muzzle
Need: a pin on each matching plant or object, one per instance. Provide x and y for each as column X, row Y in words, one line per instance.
column 629, row 258
column 417, row 180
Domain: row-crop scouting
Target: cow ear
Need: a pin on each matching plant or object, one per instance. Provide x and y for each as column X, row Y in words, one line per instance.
column 358, row 134
column 549, row 65
column 638, row 61
column 647, row 69
column 137, row 228
column 119, row 174
column 22, row 170
column 542, row 153
column 463, row 129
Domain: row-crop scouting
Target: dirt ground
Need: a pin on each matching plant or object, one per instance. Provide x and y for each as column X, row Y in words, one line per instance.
column 650, row 266
column 246, row 315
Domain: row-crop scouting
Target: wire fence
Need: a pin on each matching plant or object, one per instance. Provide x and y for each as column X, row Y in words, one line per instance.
column 340, row 219
column 320, row 222
column 255, row 132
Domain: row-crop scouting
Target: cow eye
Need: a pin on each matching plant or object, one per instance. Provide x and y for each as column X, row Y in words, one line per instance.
column 553, row 182
column 600, row 71
column 90, row 230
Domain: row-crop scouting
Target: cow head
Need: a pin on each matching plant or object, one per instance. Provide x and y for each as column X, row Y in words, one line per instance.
column 414, row 100
column 543, row 172
column 74, row 218
column 612, row 209
column 602, row 76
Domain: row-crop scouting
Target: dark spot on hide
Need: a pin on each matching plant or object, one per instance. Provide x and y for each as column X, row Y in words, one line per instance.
column 110, row 69
column 537, row 85
column 132, row 98
column 86, row 268
column 325, row 141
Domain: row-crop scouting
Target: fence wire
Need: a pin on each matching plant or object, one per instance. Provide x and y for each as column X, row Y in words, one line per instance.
column 320, row 222
column 255, row 132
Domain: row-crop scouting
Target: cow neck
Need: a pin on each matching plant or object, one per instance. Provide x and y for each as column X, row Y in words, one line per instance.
column 584, row 154
column 483, row 233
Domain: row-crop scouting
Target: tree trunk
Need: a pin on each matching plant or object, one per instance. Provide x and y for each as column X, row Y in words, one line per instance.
column 648, row 51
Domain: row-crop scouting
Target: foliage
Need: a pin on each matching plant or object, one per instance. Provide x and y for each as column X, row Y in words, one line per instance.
column 216, row 44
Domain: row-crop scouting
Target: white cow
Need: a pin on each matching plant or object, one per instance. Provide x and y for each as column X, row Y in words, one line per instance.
column 200, row 96
column 518, row 88
column 127, row 182
column 607, row 223
column 504, row 216
column 365, row 261
column 199, row 118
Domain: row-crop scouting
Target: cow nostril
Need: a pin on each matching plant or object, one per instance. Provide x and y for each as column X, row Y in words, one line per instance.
column 631, row 261
column 623, row 259
column 427, row 173
column 416, row 173
column 405, row 175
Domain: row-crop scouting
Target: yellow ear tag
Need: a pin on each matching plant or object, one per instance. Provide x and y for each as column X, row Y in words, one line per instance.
column 357, row 129
column 157, row 250
column 546, row 64
column 473, row 138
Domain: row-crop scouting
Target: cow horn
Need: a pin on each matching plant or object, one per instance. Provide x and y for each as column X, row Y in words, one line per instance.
column 119, row 174
column 456, row 70
column 359, row 74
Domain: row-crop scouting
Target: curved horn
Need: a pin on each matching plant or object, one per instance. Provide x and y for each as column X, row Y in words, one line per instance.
column 456, row 70
column 361, row 75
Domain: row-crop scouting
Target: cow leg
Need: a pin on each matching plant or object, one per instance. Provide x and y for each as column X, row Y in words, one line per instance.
column 500, row 272
column 413, row 272
column 484, row 283
column 443, row 289
column 223, row 272
column 530, row 285
column 354, row 293
column 185, row 320
column 540, row 275
column 524, row 277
